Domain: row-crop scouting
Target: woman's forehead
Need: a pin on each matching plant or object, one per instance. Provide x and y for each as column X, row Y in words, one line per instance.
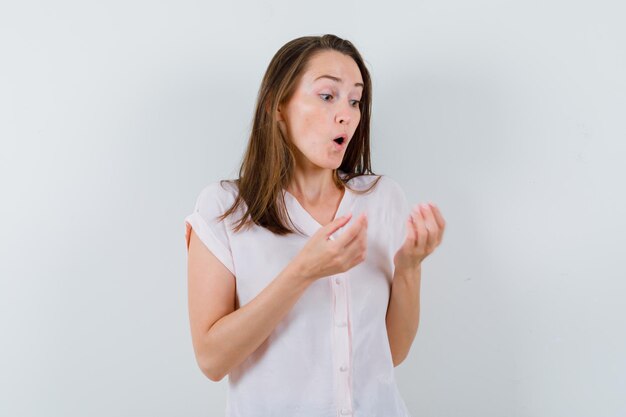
column 332, row 65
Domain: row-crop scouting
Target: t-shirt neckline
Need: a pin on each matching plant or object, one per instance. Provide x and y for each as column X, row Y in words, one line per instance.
column 303, row 218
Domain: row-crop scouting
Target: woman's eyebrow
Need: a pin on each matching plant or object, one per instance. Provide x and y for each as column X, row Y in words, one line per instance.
column 339, row 80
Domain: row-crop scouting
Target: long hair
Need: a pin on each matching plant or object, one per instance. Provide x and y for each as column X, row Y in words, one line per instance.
column 268, row 163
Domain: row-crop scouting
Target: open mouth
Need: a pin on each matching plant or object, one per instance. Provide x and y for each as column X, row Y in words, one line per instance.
column 341, row 141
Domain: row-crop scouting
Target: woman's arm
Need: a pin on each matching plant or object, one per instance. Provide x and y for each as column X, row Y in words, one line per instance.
column 403, row 312
column 425, row 232
column 222, row 336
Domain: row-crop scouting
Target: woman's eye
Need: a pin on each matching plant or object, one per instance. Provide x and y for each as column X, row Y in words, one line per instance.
column 355, row 103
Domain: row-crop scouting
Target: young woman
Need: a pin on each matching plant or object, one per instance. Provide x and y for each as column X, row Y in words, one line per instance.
column 304, row 273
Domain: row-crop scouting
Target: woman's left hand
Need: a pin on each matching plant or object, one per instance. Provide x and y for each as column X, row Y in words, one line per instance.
column 425, row 231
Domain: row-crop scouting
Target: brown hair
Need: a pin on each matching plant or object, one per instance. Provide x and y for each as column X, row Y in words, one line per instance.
column 268, row 163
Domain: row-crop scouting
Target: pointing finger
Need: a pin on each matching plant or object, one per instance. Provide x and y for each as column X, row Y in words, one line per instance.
column 353, row 231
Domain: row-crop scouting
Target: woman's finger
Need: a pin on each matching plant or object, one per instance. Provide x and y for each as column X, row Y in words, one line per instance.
column 352, row 248
column 411, row 232
column 352, row 231
column 431, row 224
column 439, row 218
column 418, row 221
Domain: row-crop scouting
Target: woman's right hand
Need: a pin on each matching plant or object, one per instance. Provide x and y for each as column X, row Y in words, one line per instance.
column 321, row 257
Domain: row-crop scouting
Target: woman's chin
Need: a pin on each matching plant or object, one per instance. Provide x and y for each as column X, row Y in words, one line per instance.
column 332, row 161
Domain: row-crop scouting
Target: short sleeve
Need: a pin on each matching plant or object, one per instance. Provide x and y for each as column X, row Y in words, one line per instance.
column 210, row 204
column 400, row 211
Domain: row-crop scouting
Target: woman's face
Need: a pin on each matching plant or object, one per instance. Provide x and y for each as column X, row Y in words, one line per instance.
column 322, row 109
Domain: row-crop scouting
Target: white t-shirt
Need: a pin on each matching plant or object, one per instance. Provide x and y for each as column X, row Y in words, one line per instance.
column 330, row 354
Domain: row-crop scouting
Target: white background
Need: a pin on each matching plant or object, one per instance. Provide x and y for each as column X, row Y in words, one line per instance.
column 510, row 115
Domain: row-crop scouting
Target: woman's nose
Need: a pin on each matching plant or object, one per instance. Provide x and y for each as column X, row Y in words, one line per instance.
column 343, row 115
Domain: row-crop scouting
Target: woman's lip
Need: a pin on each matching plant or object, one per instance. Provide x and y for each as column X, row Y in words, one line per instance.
column 338, row 146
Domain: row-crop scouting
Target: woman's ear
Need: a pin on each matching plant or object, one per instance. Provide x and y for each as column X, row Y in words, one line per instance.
column 279, row 115
column 266, row 106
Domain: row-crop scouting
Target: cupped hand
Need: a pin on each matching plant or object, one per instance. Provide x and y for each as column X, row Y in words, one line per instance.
column 425, row 231
column 324, row 255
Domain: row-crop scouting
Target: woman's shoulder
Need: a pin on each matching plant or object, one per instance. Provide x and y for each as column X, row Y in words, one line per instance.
column 221, row 193
column 384, row 184
column 390, row 184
